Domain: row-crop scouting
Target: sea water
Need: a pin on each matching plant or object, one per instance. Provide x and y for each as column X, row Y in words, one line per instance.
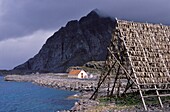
column 27, row 97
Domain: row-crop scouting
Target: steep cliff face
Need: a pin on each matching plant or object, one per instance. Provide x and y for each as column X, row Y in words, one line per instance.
column 73, row 45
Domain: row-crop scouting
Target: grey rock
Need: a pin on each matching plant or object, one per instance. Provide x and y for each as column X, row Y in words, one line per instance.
column 73, row 45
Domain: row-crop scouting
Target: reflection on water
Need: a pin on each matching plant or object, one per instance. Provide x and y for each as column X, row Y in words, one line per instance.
column 27, row 97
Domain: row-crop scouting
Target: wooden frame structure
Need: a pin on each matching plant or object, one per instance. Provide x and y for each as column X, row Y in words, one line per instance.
column 138, row 57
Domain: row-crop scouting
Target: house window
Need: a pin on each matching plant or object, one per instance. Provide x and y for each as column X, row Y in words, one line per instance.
column 81, row 75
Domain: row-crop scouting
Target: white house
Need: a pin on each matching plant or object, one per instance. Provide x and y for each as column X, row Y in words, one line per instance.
column 90, row 76
column 81, row 74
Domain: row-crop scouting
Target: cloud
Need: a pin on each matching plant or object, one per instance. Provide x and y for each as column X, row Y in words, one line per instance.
column 17, row 51
column 19, row 18
column 140, row 10
column 25, row 17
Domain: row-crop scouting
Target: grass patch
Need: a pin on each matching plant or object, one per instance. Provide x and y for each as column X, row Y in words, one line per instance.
column 132, row 99
column 128, row 100
column 119, row 103
column 104, row 99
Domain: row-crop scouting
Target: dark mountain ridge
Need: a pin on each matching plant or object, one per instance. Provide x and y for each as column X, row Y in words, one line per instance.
column 73, row 45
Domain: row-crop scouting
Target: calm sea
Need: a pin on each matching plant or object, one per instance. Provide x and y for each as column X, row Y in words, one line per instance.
column 27, row 97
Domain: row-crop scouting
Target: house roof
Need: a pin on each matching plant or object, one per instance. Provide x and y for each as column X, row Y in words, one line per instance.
column 74, row 72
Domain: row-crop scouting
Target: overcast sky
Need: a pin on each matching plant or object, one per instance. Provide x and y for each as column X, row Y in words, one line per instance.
column 26, row 24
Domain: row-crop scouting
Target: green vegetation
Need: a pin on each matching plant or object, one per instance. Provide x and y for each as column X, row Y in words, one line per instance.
column 128, row 100
column 119, row 103
column 104, row 99
column 131, row 100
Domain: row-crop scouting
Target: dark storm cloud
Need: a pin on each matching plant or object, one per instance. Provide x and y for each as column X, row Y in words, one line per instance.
column 23, row 17
column 154, row 11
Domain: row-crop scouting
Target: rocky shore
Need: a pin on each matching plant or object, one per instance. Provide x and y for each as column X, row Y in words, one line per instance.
column 55, row 81
column 85, row 88
column 60, row 81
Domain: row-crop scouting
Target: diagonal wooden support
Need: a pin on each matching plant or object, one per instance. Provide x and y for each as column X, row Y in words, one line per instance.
column 157, row 92
column 139, row 88
column 129, row 84
column 100, row 83
column 142, row 52
column 128, row 75
column 115, row 81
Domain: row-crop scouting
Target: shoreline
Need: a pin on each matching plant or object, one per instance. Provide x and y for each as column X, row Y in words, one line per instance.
column 59, row 82
column 55, row 81
column 84, row 87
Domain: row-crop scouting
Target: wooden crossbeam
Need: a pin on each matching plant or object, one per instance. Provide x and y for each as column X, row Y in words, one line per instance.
column 115, row 81
column 156, row 95
column 122, row 67
column 144, row 56
column 161, row 56
column 157, row 92
column 100, row 83
column 140, row 91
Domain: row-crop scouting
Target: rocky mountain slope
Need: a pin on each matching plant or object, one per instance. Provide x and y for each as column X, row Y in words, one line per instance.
column 73, row 45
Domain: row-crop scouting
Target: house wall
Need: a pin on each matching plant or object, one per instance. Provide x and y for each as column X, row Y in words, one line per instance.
column 84, row 74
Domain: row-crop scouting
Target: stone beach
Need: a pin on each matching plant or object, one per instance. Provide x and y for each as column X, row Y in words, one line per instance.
column 55, row 81
column 85, row 89
column 60, row 81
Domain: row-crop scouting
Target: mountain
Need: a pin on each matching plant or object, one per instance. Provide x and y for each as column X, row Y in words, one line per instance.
column 73, row 45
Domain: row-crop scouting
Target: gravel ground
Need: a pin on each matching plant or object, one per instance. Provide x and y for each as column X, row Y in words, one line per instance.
column 84, row 104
